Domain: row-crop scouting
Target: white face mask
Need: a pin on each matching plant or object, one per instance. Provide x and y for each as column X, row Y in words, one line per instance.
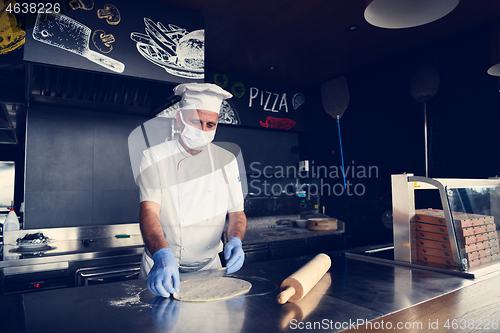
column 195, row 138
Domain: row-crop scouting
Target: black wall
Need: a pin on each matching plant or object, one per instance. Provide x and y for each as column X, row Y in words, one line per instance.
column 383, row 126
column 78, row 171
column 262, row 147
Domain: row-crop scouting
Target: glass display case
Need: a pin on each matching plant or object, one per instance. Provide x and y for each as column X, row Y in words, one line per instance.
column 459, row 237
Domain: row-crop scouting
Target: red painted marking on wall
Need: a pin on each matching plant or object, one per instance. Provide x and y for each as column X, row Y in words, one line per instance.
column 278, row 123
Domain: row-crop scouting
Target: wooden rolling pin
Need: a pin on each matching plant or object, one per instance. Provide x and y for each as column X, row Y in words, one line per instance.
column 300, row 310
column 297, row 285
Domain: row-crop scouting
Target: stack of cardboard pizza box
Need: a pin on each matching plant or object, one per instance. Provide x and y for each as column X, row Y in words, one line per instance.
column 476, row 234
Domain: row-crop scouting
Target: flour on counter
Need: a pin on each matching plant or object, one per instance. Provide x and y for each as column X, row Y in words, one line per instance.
column 134, row 300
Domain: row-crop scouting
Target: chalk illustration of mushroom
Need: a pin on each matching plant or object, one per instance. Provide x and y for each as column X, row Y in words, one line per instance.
column 298, row 100
column 110, row 13
column 81, row 4
column 102, row 41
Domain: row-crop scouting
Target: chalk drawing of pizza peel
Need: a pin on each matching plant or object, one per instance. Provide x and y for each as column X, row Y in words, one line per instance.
column 65, row 33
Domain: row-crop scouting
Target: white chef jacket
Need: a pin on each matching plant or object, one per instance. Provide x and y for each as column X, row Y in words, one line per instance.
column 195, row 192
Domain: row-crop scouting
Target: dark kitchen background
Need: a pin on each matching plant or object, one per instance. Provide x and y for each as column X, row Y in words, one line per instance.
column 73, row 125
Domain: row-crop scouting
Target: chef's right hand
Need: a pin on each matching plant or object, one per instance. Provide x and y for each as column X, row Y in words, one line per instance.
column 164, row 273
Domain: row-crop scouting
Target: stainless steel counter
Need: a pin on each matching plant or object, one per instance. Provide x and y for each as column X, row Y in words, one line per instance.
column 261, row 235
column 57, row 265
column 85, row 243
column 358, row 291
column 73, row 244
column 71, row 250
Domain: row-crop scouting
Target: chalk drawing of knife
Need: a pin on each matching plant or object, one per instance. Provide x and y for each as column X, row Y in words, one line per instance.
column 65, row 33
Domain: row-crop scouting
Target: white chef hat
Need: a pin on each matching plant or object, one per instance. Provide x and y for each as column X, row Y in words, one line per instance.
column 201, row 96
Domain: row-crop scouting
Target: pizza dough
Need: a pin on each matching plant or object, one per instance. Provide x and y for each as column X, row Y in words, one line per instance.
column 212, row 289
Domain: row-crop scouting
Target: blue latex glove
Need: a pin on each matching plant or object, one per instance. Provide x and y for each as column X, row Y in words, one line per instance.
column 164, row 272
column 234, row 252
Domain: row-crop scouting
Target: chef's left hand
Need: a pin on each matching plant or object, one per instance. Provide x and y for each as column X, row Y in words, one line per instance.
column 234, row 252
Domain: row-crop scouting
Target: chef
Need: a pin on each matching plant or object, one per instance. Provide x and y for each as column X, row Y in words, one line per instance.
column 187, row 188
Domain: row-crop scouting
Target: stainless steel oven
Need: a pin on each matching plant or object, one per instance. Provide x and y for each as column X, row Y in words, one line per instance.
column 105, row 274
column 20, row 279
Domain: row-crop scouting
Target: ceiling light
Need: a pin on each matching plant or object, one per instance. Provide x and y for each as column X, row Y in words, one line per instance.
column 397, row 14
column 495, row 51
column 353, row 27
column 494, row 70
